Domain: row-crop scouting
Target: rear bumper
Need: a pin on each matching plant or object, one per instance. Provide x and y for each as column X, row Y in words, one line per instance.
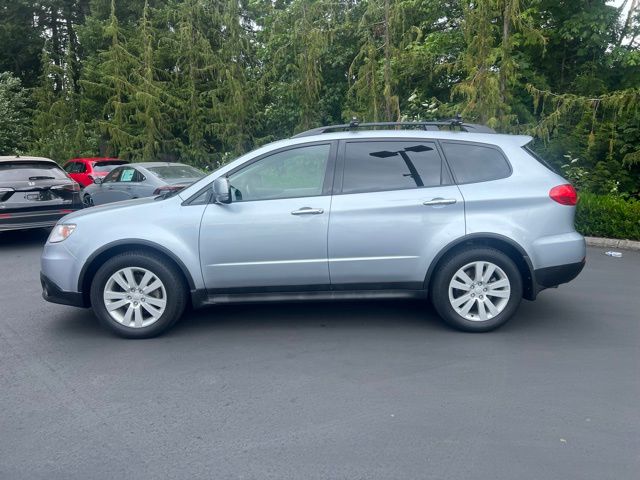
column 54, row 294
column 34, row 219
column 553, row 276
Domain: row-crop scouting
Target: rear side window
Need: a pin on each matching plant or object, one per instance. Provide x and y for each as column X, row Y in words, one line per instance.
column 473, row 163
column 390, row 165
column 131, row 175
column 22, row 171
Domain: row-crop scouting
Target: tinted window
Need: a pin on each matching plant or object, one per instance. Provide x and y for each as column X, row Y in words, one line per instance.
column 170, row 172
column 298, row 172
column 390, row 165
column 22, row 171
column 475, row 163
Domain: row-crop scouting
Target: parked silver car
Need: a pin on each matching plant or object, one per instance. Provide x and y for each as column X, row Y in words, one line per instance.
column 470, row 218
column 137, row 180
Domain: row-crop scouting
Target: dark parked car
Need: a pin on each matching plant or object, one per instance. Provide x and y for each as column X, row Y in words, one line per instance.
column 137, row 180
column 34, row 193
column 86, row 170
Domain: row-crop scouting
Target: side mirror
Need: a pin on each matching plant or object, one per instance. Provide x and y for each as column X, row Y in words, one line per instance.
column 97, row 180
column 221, row 190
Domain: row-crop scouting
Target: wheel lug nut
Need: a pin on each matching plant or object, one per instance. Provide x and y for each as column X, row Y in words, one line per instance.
column 473, row 294
column 484, row 289
column 481, row 296
column 135, row 303
column 128, row 297
column 142, row 299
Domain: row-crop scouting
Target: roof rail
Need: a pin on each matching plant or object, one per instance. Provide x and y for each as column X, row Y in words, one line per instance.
column 432, row 126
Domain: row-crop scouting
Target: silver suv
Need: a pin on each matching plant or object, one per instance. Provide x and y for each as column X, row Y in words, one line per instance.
column 465, row 216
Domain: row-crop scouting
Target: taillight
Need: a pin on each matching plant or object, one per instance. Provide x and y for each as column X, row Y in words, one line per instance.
column 70, row 187
column 167, row 188
column 564, row 195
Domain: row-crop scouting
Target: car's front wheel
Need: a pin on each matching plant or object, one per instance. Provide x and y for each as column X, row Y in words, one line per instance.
column 87, row 200
column 138, row 295
column 477, row 290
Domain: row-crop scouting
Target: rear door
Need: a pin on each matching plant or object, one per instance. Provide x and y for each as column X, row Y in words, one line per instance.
column 394, row 209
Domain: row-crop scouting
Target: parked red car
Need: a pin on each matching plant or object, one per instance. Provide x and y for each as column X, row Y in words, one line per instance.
column 86, row 170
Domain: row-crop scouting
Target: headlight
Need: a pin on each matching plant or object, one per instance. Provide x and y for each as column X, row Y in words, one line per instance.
column 61, row 232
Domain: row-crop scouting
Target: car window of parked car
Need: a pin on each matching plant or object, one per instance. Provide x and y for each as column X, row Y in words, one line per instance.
column 473, row 163
column 130, row 175
column 390, row 165
column 24, row 171
column 297, row 172
column 173, row 172
column 113, row 175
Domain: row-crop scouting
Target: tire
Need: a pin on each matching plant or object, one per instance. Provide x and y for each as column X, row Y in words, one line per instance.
column 87, row 201
column 477, row 303
column 157, row 302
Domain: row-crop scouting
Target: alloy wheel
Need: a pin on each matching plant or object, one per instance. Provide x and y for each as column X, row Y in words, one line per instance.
column 135, row 297
column 479, row 291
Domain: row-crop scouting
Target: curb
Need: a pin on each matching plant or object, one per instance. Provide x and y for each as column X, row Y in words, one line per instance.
column 613, row 243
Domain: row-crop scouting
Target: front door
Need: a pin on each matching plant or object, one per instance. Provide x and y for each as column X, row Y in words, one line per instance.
column 273, row 236
column 395, row 210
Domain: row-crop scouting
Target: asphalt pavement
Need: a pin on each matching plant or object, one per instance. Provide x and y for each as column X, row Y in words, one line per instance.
column 369, row 390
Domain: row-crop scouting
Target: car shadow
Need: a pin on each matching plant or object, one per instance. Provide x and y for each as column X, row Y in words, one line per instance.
column 549, row 316
column 24, row 238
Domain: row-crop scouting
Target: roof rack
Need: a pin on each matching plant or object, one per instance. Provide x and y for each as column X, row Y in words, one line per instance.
column 429, row 126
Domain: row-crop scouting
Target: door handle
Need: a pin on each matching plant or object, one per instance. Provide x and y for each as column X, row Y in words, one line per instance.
column 439, row 201
column 308, row 211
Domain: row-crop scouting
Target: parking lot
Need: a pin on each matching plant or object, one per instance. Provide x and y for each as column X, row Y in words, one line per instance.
column 370, row 390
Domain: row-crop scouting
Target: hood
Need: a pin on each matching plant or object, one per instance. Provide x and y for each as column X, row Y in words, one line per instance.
column 108, row 207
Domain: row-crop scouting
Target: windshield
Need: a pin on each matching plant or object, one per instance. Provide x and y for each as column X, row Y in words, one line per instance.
column 175, row 171
column 23, row 171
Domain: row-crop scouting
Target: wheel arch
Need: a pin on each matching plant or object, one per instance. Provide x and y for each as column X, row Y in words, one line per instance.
column 504, row 244
column 97, row 259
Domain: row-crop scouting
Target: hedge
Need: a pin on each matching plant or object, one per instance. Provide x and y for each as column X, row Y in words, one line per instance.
column 608, row 216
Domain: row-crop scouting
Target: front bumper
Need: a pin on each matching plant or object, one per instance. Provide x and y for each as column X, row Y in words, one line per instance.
column 54, row 294
column 550, row 277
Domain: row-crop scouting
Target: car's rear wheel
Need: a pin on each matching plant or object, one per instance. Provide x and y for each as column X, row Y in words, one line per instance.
column 477, row 290
column 138, row 295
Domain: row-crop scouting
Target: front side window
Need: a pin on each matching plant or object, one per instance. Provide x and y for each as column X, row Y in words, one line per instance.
column 298, row 172
column 473, row 163
column 113, row 175
column 390, row 165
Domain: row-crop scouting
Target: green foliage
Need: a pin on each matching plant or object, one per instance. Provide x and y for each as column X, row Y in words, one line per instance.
column 608, row 216
column 202, row 81
column 14, row 116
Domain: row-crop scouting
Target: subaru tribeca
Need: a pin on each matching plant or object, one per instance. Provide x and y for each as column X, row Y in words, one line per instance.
column 451, row 211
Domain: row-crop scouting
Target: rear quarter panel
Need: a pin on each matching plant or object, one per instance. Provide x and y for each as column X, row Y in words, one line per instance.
column 519, row 207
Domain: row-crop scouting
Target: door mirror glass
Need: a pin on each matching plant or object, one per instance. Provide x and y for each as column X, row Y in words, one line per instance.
column 97, row 180
column 221, row 190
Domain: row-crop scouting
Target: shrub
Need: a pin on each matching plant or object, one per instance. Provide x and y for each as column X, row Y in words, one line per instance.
column 608, row 216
